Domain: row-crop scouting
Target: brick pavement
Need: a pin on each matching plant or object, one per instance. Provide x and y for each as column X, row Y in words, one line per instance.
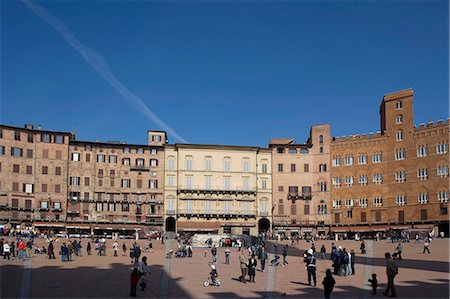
column 420, row 275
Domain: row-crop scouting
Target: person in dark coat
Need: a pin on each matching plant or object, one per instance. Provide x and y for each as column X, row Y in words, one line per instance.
column 352, row 261
column 328, row 284
column 323, row 251
column 252, row 268
column 285, row 253
column 363, row 247
column 51, row 251
column 88, row 248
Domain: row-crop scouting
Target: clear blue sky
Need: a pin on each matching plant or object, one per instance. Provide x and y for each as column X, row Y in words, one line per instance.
column 223, row 72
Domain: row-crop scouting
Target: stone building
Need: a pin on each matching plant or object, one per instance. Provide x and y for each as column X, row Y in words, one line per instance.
column 217, row 189
column 301, row 184
column 33, row 176
column 115, row 187
column 396, row 179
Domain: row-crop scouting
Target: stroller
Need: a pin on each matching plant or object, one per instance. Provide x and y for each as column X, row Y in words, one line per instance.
column 275, row 261
column 169, row 254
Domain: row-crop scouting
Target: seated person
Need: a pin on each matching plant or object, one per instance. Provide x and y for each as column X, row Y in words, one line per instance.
column 213, row 274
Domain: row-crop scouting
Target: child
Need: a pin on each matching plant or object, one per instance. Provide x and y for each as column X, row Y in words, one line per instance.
column 374, row 283
column 134, row 280
column 143, row 282
column 213, row 274
column 328, row 284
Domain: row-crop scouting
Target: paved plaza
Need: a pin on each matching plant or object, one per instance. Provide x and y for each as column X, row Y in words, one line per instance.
column 420, row 275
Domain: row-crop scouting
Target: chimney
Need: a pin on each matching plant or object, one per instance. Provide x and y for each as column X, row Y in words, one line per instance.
column 39, row 127
column 29, row 126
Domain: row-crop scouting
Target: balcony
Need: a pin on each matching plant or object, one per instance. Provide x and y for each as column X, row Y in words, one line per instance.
column 73, row 212
column 57, row 210
column 217, row 213
column 298, row 196
column 216, row 190
column 170, row 212
column 139, row 168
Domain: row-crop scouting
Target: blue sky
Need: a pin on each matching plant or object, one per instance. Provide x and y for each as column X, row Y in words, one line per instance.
column 223, row 72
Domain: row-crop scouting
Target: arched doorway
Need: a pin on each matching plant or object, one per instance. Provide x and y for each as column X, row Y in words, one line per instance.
column 263, row 225
column 170, row 224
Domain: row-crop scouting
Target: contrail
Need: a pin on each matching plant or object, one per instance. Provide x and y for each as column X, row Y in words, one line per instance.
column 101, row 66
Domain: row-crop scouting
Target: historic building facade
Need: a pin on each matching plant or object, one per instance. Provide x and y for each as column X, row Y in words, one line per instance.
column 218, row 189
column 394, row 179
column 33, row 176
column 116, row 187
column 301, row 184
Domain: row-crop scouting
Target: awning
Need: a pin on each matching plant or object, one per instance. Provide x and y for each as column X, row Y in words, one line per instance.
column 237, row 224
column 49, row 224
column 339, row 229
column 424, row 226
column 118, row 226
column 78, row 226
column 306, row 229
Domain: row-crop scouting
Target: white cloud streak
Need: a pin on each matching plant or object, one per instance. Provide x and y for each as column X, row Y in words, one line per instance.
column 101, row 66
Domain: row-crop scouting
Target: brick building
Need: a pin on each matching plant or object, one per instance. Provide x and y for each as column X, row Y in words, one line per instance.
column 396, row 179
column 33, row 176
column 301, row 184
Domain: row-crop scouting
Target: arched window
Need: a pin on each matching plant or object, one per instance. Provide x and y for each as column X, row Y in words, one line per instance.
column 399, row 119
column 321, row 139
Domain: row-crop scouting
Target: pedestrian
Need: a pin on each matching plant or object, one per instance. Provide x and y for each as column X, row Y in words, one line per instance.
column 227, row 255
column 78, row 248
column 263, row 257
column 124, row 249
column 328, row 284
column 214, row 253
column 64, row 253
column 252, row 268
column 374, row 283
column 275, row 246
column 285, row 253
column 335, row 259
column 12, row 246
column 115, row 247
column 134, row 280
column 310, row 262
column 323, row 251
column 417, row 239
column 363, row 247
column 6, row 251
column 243, row 261
column 391, row 272
column 399, row 250
column 143, row 267
column 88, row 248
column 51, row 251
column 143, row 281
column 21, row 249
column 352, row 261
column 426, row 245
column 136, row 253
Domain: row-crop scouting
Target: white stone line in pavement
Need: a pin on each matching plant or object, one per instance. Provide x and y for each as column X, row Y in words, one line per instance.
column 164, row 285
column 271, row 279
column 25, row 285
column 366, row 289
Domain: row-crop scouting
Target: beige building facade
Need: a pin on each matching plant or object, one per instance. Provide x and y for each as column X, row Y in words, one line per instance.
column 218, row 189
column 301, row 184
column 396, row 179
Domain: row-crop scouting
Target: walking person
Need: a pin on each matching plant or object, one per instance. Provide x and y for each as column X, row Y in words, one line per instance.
column 352, row 261
column 214, row 253
column 323, row 251
column 426, row 245
column 252, row 268
column 88, row 248
column 310, row 262
column 51, row 251
column 115, row 248
column 227, row 255
column 374, row 283
column 12, row 246
column 391, row 272
column 399, row 250
column 285, row 253
column 78, row 248
column 275, row 247
column 124, row 249
column 243, row 260
column 134, row 280
column 263, row 257
column 328, row 284
column 6, row 251
column 363, row 247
